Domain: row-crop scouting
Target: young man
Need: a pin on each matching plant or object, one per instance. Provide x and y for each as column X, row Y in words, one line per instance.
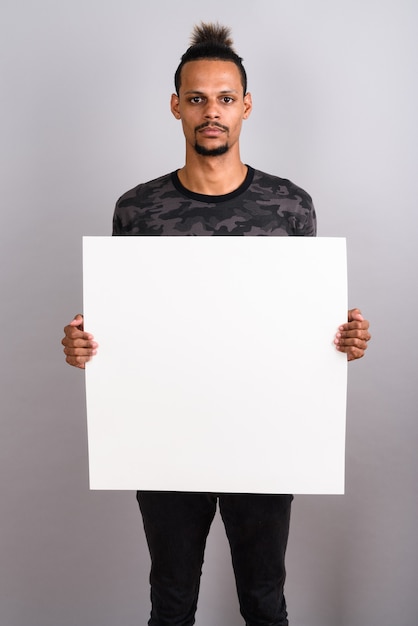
column 215, row 194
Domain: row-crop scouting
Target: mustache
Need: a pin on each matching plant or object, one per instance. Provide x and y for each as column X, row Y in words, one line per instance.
column 212, row 124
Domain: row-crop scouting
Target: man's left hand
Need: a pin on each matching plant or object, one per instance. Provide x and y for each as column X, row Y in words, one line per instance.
column 352, row 337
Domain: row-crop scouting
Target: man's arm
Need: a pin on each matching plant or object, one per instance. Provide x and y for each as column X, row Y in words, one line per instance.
column 352, row 337
column 79, row 346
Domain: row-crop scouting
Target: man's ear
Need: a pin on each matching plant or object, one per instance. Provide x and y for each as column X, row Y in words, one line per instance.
column 248, row 105
column 174, row 105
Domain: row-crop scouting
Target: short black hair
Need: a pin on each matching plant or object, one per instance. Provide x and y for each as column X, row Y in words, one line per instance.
column 211, row 41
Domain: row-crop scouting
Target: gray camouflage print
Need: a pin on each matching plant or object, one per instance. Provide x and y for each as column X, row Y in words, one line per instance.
column 264, row 205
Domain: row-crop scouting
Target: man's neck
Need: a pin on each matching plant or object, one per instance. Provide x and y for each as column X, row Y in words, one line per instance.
column 212, row 176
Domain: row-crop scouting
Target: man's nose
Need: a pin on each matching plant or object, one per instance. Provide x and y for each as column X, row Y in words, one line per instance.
column 212, row 110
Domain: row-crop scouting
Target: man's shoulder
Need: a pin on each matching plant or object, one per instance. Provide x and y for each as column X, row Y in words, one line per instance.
column 150, row 189
column 278, row 185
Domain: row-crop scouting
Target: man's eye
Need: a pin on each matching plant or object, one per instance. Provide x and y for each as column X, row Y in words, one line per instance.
column 227, row 99
column 196, row 100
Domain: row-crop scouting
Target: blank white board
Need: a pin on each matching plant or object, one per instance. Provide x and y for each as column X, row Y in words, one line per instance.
column 216, row 369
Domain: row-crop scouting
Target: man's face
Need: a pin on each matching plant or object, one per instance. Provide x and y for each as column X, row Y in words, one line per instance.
column 211, row 106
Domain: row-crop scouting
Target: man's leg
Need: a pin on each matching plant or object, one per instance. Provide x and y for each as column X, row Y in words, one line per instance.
column 257, row 527
column 176, row 526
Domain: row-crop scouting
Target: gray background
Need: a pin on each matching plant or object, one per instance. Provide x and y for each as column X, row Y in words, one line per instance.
column 85, row 92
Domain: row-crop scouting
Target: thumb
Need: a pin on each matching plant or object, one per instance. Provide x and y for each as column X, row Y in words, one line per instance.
column 355, row 314
column 78, row 321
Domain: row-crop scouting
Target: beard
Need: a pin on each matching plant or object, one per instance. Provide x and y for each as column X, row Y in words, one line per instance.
column 211, row 152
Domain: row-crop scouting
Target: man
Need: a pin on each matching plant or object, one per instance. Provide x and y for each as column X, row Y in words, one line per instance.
column 215, row 194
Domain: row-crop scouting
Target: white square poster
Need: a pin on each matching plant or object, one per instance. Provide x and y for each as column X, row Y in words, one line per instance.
column 216, row 369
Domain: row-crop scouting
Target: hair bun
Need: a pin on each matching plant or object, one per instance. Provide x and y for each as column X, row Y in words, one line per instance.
column 211, row 33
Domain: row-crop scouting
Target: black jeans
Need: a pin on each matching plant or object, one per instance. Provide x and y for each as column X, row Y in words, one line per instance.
column 177, row 525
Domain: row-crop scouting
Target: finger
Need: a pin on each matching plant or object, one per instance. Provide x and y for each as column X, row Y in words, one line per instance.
column 355, row 314
column 349, row 343
column 355, row 324
column 73, row 332
column 79, row 342
column 352, row 352
column 78, row 321
column 79, row 338
column 79, row 362
column 77, row 324
column 355, row 353
column 79, row 348
column 354, row 334
column 342, row 335
column 78, row 358
column 354, row 338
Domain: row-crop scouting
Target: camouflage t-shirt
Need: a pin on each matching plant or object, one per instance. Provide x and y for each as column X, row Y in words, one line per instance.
column 263, row 205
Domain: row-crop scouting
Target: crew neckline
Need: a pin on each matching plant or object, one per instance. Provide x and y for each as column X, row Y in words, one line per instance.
column 201, row 197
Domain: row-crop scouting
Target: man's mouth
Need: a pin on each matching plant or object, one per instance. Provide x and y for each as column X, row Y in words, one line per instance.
column 209, row 129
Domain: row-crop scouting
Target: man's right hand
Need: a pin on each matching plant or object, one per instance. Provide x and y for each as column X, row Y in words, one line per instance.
column 79, row 347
